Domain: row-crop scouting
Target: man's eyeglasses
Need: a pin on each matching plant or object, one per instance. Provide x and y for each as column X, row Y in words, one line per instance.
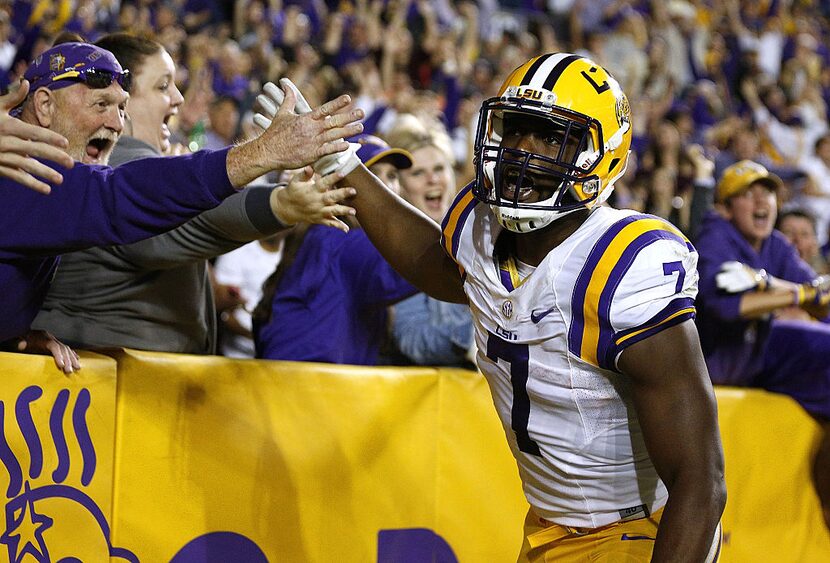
column 97, row 78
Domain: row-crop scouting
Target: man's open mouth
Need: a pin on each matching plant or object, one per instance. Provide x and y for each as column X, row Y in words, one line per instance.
column 97, row 147
column 760, row 218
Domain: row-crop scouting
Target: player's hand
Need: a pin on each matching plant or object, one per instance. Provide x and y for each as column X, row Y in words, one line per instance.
column 298, row 140
column 736, row 277
column 42, row 342
column 21, row 143
column 272, row 99
column 310, row 198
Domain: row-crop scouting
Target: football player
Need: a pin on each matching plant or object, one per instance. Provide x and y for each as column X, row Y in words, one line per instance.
column 583, row 321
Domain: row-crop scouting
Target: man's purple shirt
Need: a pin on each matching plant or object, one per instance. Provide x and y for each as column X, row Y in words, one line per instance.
column 330, row 305
column 95, row 206
column 734, row 347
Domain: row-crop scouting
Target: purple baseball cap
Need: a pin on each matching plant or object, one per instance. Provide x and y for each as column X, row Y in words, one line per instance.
column 374, row 149
column 75, row 63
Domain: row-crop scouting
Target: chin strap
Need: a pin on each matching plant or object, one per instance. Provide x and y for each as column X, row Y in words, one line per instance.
column 518, row 224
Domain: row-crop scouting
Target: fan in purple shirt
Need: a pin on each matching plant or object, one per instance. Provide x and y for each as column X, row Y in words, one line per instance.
column 749, row 275
column 327, row 301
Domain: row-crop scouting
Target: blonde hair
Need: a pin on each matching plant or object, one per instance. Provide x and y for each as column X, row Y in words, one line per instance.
column 410, row 133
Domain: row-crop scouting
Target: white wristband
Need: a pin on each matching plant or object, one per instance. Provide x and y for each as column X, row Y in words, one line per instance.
column 343, row 162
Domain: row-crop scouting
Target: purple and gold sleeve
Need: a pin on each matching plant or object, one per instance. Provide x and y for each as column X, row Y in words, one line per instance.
column 640, row 279
column 454, row 222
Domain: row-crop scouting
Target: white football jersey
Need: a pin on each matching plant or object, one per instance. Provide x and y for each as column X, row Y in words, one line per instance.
column 548, row 346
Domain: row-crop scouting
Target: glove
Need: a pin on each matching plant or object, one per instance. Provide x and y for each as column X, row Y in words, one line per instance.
column 270, row 101
column 272, row 98
column 815, row 293
column 735, row 277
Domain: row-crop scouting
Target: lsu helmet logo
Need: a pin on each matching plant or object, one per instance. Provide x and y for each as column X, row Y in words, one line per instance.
column 623, row 110
column 530, row 94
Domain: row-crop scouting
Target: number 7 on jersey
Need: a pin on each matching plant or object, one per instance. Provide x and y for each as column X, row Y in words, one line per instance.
column 517, row 355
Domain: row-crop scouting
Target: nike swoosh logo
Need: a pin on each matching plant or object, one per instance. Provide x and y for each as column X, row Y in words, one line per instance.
column 536, row 317
column 627, row 537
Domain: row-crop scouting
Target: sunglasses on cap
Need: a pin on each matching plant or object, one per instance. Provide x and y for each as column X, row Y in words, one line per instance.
column 97, row 77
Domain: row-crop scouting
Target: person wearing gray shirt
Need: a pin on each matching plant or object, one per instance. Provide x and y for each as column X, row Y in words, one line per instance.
column 156, row 294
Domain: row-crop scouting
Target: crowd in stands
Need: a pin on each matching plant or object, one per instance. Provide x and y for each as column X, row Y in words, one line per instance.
column 710, row 83
column 741, row 79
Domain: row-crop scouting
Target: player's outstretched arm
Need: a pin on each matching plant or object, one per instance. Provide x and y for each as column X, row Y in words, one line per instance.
column 409, row 240
column 677, row 410
column 405, row 237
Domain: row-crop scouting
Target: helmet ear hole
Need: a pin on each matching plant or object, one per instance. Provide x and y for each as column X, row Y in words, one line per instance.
column 590, row 187
column 614, row 164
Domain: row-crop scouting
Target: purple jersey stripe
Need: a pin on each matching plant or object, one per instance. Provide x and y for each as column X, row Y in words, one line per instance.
column 676, row 312
column 577, row 327
column 606, row 331
column 454, row 220
column 506, row 279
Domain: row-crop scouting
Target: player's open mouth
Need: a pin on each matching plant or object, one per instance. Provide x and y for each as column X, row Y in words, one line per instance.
column 510, row 186
column 98, row 147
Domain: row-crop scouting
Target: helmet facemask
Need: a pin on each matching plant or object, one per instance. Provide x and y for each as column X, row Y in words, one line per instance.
column 562, row 179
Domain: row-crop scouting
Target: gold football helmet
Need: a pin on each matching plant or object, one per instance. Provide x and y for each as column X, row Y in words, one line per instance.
column 582, row 116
